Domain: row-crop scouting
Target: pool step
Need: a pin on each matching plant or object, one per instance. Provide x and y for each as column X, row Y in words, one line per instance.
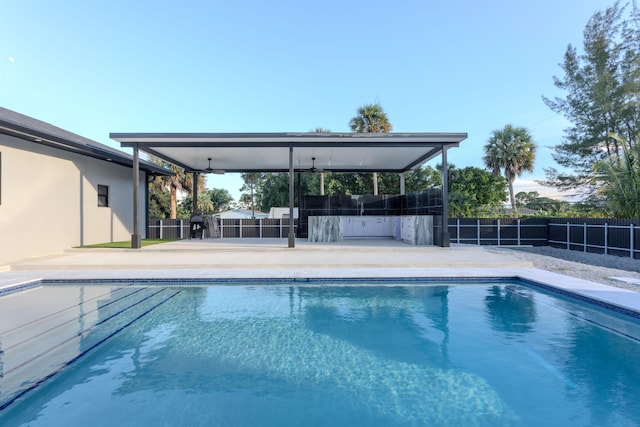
column 50, row 336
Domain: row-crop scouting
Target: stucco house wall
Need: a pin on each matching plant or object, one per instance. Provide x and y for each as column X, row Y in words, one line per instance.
column 49, row 200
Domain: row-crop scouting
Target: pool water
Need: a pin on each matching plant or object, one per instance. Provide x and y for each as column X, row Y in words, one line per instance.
column 489, row 354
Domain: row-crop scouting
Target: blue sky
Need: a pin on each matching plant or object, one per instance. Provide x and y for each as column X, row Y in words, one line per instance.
column 255, row 66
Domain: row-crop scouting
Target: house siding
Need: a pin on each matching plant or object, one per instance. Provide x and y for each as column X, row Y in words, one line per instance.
column 49, row 200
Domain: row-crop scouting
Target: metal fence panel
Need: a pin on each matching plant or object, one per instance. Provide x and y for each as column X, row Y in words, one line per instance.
column 498, row 231
column 611, row 236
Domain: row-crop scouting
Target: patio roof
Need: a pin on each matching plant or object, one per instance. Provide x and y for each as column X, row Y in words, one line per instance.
column 269, row 152
column 290, row 152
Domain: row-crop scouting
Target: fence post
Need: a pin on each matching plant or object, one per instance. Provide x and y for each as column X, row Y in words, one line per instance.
column 498, row 221
column 568, row 235
column 180, row 223
column 260, row 222
column 240, row 224
column 478, row 230
column 631, row 245
column 584, row 237
column 457, row 230
column 518, row 230
column 606, row 238
column 221, row 228
column 160, row 232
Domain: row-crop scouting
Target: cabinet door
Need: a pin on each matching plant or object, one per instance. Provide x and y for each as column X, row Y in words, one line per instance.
column 407, row 229
column 347, row 227
column 378, row 226
column 368, row 226
column 387, row 229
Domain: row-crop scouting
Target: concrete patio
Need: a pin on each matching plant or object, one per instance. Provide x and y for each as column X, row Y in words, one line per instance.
column 248, row 254
column 218, row 259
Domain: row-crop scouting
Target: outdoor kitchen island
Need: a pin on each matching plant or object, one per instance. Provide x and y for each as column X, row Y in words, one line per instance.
column 411, row 229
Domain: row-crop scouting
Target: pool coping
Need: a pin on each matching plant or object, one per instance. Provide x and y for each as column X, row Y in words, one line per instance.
column 621, row 300
column 235, row 260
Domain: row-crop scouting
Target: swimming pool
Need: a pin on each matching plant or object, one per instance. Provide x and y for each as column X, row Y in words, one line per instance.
column 390, row 353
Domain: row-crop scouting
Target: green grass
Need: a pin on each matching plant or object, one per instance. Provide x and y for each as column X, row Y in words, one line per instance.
column 127, row 243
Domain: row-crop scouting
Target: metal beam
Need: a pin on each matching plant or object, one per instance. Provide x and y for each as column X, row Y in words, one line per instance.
column 286, row 139
column 136, row 242
column 194, row 208
column 292, row 236
column 445, row 200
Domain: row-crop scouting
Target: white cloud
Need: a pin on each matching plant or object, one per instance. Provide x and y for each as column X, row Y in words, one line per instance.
column 11, row 59
column 551, row 192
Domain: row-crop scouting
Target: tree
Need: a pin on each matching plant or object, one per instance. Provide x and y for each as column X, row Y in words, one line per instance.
column 220, row 198
column 251, row 180
column 511, row 150
column 274, row 191
column 205, row 205
column 474, row 191
column 619, row 181
column 542, row 205
column 421, row 178
column 371, row 118
column 159, row 204
column 210, row 201
column 180, row 182
column 602, row 86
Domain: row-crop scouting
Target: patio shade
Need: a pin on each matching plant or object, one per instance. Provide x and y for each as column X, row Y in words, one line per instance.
column 290, row 152
column 269, row 152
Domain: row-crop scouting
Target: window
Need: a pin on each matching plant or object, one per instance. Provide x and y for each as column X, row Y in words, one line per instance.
column 103, row 196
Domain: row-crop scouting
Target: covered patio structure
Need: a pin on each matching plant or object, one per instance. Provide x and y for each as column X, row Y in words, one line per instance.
column 199, row 153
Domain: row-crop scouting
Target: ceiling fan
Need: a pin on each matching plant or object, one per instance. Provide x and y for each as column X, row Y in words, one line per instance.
column 313, row 168
column 210, row 170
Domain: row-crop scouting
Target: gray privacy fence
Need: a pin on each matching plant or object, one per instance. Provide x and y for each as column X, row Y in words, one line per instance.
column 258, row 228
column 498, row 231
column 220, row 228
column 609, row 236
column 168, row 229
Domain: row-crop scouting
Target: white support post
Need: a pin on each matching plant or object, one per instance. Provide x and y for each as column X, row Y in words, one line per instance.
column 498, row 221
column 241, row 228
column 584, row 237
column 631, row 243
column 458, row 230
column 260, row 222
column 221, row 228
column 606, row 238
column 160, row 232
column 180, row 225
column 478, row 231
column 518, row 230
column 568, row 235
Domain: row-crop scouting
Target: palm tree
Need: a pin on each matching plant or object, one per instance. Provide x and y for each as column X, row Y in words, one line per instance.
column 371, row 118
column 179, row 182
column 511, row 150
